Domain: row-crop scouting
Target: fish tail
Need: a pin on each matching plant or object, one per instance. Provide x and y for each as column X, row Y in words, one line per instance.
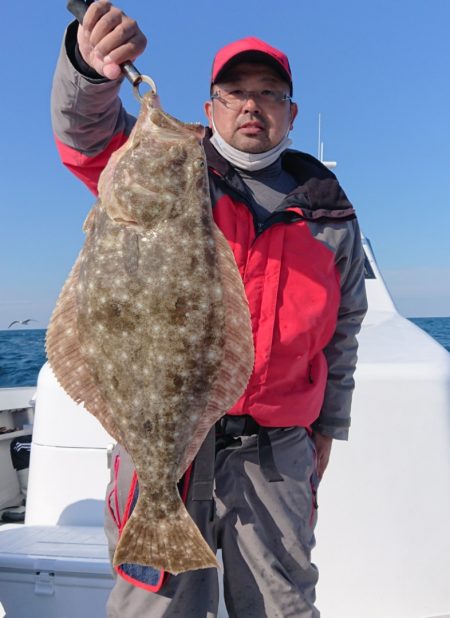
column 173, row 544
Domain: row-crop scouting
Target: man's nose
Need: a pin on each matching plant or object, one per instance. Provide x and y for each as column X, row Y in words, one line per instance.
column 251, row 103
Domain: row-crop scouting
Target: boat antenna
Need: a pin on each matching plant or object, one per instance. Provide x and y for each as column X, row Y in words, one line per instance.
column 329, row 164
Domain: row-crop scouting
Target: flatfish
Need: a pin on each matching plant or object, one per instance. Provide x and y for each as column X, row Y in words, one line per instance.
column 152, row 331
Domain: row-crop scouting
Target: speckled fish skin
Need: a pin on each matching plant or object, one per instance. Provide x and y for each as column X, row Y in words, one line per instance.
column 152, row 329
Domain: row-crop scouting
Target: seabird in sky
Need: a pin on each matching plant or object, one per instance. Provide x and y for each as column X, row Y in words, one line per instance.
column 26, row 322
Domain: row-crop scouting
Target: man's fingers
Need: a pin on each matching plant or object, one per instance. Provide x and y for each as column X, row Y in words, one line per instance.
column 111, row 71
column 322, row 463
column 108, row 23
column 128, row 51
column 323, row 449
column 93, row 14
column 109, row 65
column 123, row 43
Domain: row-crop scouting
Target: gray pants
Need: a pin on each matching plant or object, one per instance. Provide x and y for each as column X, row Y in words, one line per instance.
column 265, row 530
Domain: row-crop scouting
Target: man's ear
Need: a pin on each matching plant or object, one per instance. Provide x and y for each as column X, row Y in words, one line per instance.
column 294, row 112
column 208, row 112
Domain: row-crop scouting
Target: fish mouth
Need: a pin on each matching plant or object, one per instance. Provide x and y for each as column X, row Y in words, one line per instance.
column 126, row 222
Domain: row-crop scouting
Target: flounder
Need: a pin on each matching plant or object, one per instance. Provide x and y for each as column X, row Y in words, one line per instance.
column 152, row 331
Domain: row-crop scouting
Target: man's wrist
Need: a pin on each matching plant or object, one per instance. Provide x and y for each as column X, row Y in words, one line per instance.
column 83, row 67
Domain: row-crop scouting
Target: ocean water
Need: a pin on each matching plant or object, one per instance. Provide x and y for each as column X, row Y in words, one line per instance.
column 22, row 352
column 439, row 328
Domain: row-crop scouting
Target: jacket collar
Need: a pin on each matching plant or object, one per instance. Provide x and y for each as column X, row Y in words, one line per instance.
column 318, row 193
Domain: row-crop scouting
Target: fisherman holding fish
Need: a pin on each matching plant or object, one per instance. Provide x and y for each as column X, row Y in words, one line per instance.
column 252, row 489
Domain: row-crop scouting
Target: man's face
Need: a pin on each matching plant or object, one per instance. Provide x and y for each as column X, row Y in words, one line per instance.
column 255, row 126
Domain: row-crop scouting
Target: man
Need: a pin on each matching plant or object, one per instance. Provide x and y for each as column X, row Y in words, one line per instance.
column 297, row 245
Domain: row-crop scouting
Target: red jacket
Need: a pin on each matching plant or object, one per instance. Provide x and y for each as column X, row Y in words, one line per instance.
column 293, row 289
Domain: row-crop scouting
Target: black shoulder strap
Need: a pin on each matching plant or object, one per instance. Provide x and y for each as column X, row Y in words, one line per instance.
column 202, row 480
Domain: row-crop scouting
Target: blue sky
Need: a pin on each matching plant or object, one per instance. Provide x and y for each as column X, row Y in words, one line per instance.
column 378, row 72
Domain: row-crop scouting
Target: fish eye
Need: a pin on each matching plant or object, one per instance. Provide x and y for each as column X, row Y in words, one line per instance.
column 199, row 163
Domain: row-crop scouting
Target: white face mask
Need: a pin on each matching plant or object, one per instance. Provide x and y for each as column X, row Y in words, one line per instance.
column 247, row 160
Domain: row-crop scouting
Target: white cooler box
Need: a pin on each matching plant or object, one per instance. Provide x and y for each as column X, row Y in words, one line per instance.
column 54, row 571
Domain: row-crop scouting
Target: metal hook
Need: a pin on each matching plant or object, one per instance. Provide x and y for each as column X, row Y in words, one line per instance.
column 143, row 79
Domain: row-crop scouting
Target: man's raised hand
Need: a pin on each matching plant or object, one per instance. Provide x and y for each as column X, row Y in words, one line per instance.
column 108, row 38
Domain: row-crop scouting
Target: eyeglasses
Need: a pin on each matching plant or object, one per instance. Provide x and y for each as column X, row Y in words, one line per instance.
column 235, row 99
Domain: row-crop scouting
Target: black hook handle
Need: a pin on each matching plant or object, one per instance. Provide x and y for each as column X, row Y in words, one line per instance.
column 78, row 9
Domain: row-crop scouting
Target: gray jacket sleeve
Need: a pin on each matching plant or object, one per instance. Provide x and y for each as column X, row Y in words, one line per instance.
column 341, row 352
column 86, row 111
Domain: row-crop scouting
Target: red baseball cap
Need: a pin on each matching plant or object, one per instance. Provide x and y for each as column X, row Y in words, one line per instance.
column 250, row 49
